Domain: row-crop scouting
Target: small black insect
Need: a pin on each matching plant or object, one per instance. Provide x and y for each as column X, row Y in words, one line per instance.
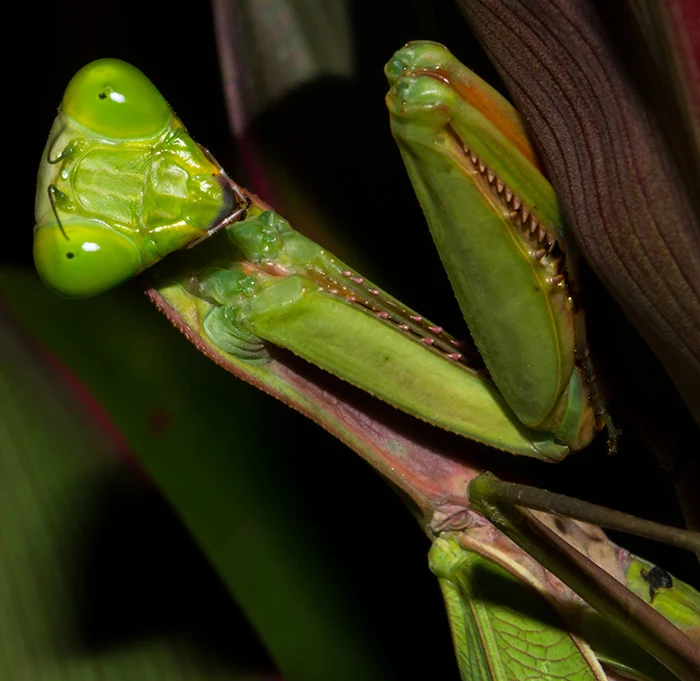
column 656, row 578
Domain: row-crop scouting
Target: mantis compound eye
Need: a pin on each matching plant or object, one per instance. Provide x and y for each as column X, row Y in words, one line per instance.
column 83, row 258
column 114, row 99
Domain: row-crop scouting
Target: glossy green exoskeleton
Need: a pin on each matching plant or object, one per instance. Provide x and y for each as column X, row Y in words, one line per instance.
column 121, row 183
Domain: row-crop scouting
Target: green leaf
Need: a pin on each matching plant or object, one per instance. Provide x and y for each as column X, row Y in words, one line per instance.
column 57, row 466
column 200, row 436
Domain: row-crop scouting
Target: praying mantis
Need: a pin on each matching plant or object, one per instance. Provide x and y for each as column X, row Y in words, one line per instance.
column 122, row 186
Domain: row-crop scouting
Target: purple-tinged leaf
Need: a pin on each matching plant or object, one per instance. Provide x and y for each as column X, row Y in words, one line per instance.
column 609, row 161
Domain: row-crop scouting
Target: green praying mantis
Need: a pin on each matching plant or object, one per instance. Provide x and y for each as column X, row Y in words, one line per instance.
column 122, row 185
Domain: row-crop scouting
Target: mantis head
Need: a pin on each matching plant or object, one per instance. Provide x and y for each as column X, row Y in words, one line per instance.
column 107, row 107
